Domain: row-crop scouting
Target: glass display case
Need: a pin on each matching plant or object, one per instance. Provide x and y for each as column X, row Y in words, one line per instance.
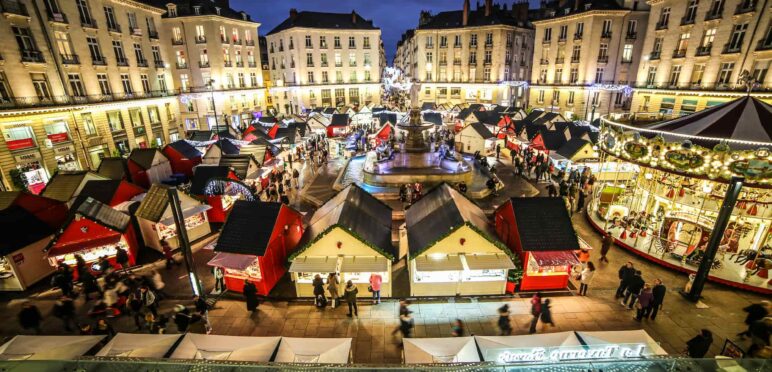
column 436, row 276
column 490, row 275
column 309, row 277
column 252, row 272
column 170, row 231
column 535, row 270
column 90, row 254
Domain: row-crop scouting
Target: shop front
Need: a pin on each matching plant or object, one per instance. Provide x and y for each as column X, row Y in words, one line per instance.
column 540, row 232
column 667, row 210
column 156, row 221
column 254, row 244
column 349, row 235
column 29, row 163
column 452, row 247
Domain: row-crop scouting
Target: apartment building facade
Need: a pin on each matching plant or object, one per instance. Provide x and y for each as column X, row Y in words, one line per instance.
column 215, row 63
column 586, row 57
column 324, row 59
column 80, row 80
column 696, row 52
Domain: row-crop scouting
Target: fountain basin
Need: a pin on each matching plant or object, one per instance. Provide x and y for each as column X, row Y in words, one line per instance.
column 423, row 167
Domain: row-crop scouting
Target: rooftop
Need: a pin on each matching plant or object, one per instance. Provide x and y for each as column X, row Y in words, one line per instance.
column 340, row 21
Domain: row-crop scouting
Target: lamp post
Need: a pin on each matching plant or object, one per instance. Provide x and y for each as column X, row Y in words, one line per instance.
column 182, row 237
column 592, row 115
column 210, row 85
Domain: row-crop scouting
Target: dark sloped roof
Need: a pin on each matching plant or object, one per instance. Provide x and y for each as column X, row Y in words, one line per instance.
column 544, row 224
column 267, row 120
column 481, row 129
column 553, row 139
column 353, row 209
column 143, row 157
column 154, row 204
column 438, row 213
column 19, row 229
column 104, row 214
column 7, row 198
column 238, row 163
column 330, row 110
column 340, row 21
column 248, row 228
column 102, row 191
column 265, row 142
column 569, row 149
column 454, row 19
column 464, row 113
column 534, row 115
column 547, row 117
column 581, row 130
column 63, row 185
column 113, row 168
column 476, row 107
column 227, row 147
column 185, row 149
column 532, row 130
column 428, row 106
column 385, row 117
column 290, row 133
column 200, row 135
column 433, row 117
column 202, row 174
column 206, row 8
column 339, row 120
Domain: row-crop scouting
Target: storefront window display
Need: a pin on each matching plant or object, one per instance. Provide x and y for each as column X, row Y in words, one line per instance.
column 65, row 157
column 436, row 276
column 57, row 132
column 19, row 138
column 90, row 255
column 34, row 174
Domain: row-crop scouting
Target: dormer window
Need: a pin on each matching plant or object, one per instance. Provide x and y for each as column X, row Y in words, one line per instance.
column 587, row 6
column 172, row 10
column 217, row 10
column 197, row 10
column 566, row 10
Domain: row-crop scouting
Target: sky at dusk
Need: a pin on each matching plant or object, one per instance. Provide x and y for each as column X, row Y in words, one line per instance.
column 393, row 16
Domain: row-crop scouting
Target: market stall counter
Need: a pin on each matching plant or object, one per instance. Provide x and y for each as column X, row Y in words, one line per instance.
column 452, row 247
column 350, row 235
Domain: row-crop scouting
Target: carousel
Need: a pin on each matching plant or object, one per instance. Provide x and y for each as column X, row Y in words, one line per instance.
column 668, row 209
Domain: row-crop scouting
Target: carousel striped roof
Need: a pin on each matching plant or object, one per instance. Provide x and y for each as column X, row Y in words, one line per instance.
column 744, row 119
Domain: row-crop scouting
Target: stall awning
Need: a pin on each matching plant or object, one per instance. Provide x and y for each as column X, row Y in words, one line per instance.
column 192, row 211
column 364, row 265
column 488, row 262
column 314, row 265
column 439, row 263
column 232, row 261
column 555, row 258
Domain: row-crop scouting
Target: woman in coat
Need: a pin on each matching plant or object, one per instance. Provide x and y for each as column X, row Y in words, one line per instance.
column 645, row 300
column 318, row 284
column 250, row 294
column 332, row 286
column 585, row 278
column 350, row 295
column 504, row 324
column 546, row 314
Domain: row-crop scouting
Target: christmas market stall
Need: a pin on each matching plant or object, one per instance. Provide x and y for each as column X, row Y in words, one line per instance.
column 149, row 166
column 24, row 347
column 222, row 347
column 65, row 186
column 314, row 350
column 453, row 248
column 137, row 345
column 156, row 221
column 22, row 257
column 218, row 149
column 254, row 244
column 667, row 210
column 183, row 157
column 220, row 187
column 338, row 125
column 52, row 212
column 439, row 350
column 110, row 192
column 475, row 138
column 94, row 230
column 350, row 234
column 114, row 169
column 540, row 232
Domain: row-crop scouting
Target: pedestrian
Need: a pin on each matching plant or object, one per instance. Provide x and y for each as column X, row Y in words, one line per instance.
column 585, row 278
column 552, row 190
column 219, row 279
column 580, row 200
column 535, row 311
column 546, row 315
column 105, row 329
column 755, row 312
column 318, row 284
column 134, row 305
column 30, row 318
column 158, row 283
column 634, row 288
column 505, row 326
column 498, row 151
column 458, row 329
column 406, row 324
column 332, row 287
column 658, row 297
column 122, row 258
column 375, row 286
column 201, row 306
column 148, row 300
column 645, row 301
column 182, row 318
column 760, row 332
column 167, row 250
column 250, row 295
column 64, row 309
column 584, row 256
column 626, row 273
column 698, row 346
column 90, row 286
column 608, row 241
column 63, row 280
column 350, row 294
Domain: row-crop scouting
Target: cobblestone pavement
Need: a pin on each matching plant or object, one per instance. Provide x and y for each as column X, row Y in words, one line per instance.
column 372, row 329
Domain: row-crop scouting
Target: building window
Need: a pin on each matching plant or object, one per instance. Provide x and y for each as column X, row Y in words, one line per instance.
column 325, row 77
column 76, row 85
column 606, row 27
column 5, row 91
column 627, row 53
column 126, row 83
column 338, row 77
column 161, row 83
column 309, row 45
column 725, row 73
column 473, row 40
column 145, row 83
column 541, row 96
column 112, row 23
column 675, row 75
column 366, row 42
column 40, row 83
column 697, row 72
column 651, row 76
column 570, row 100
column 632, row 28
column 120, row 57
column 367, row 76
column 683, row 42
column 738, row 34
column 599, row 75
column 336, row 42
column 322, row 42
column 88, row 124
column 576, row 53
column 115, row 120
column 579, row 30
column 595, row 98
column 760, row 69
column 558, row 75
column 104, row 84
column 708, row 37
column 139, row 55
column 488, row 57
column 487, row 74
column 574, row 78
column 489, row 39
column 172, row 10
column 547, row 35
column 311, row 77
column 352, row 42
column 94, row 50
column 664, row 18
column 429, row 42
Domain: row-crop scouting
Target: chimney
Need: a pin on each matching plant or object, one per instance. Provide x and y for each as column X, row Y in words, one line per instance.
column 520, row 11
column 293, row 13
column 353, row 17
column 465, row 17
column 488, row 7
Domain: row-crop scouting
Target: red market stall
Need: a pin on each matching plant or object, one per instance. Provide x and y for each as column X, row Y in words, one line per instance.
column 148, row 166
column 52, row 212
column 110, row 192
column 183, row 157
column 539, row 230
column 254, row 244
column 93, row 230
column 338, row 125
column 213, row 184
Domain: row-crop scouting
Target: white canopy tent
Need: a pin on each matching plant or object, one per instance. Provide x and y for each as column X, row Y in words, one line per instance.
column 218, row 347
column 440, row 350
column 47, row 347
column 314, row 350
column 490, row 345
column 638, row 336
column 137, row 345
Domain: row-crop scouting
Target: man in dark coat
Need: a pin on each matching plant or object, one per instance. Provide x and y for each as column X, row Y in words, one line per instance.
column 30, row 318
column 64, row 309
column 698, row 346
column 608, row 242
column 755, row 312
column 250, row 294
column 626, row 273
column 122, row 258
column 658, row 292
column 633, row 289
column 63, row 280
column 182, row 318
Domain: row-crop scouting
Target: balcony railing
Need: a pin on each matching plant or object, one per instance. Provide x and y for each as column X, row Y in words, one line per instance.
column 731, row 49
column 139, row 130
column 561, row 39
column 745, row 7
column 152, row 35
column 578, row 36
column 252, row 64
column 57, row 17
column 687, row 20
column 142, row 62
column 661, row 25
column 602, row 59
column 679, row 53
column 98, row 61
column 114, row 27
column 703, row 50
column 715, row 86
column 228, row 64
column 546, row 41
column 764, row 44
column 631, row 36
column 575, row 59
column 714, row 14
column 201, row 39
column 182, row 65
column 32, row 56
column 15, row 8
column 606, row 35
column 159, row 63
column 489, row 45
column 177, row 41
column 135, row 31
column 203, row 64
column 544, row 61
column 324, row 64
column 88, row 23
column 627, row 61
column 70, row 59
column 472, row 45
column 122, row 61
column 239, row 64
column 34, row 101
column 560, row 60
column 654, row 55
column 250, row 42
column 238, row 42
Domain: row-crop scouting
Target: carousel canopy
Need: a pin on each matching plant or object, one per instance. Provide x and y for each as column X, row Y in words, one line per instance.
column 744, row 119
column 113, row 168
column 544, row 224
column 249, row 228
column 202, row 174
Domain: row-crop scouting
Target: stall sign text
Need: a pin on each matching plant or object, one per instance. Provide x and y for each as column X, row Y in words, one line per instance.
column 557, row 354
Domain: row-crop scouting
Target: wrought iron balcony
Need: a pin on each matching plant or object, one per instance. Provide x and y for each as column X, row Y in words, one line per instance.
column 703, row 50
column 152, row 35
column 14, row 8
column 679, row 53
column 70, row 59
column 32, row 56
column 201, row 39
column 88, row 23
column 661, row 25
column 654, row 55
column 714, row 14
column 745, row 7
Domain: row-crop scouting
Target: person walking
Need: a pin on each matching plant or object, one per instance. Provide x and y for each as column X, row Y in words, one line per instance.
column 403, row 309
column 658, row 297
column 406, row 324
column 458, row 329
column 134, row 305
column 200, row 304
column 91, row 288
column 755, row 312
column 332, row 287
column 375, row 286
column 250, row 295
column 505, row 325
column 634, row 289
column 546, row 315
column 182, row 318
column 318, row 284
column 626, row 273
column 62, row 280
column 219, row 279
column 760, row 332
column 64, row 309
column 30, row 318
column 167, row 250
column 350, row 295
column 158, row 283
column 148, row 300
column 645, row 301
column 552, row 190
column 585, row 278
column 122, row 258
column 698, row 346
column 535, row 312
column 608, row 242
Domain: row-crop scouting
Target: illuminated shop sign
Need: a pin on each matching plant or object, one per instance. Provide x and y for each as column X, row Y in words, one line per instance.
column 561, row 354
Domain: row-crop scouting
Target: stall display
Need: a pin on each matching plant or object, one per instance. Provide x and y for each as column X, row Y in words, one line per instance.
column 667, row 209
column 539, row 230
column 47, row 347
column 314, row 350
column 440, row 350
column 452, row 247
column 137, row 345
column 254, row 244
column 351, row 235
column 221, row 347
column 156, row 221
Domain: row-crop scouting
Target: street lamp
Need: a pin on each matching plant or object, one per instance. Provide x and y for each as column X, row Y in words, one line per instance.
column 592, row 115
column 210, row 85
